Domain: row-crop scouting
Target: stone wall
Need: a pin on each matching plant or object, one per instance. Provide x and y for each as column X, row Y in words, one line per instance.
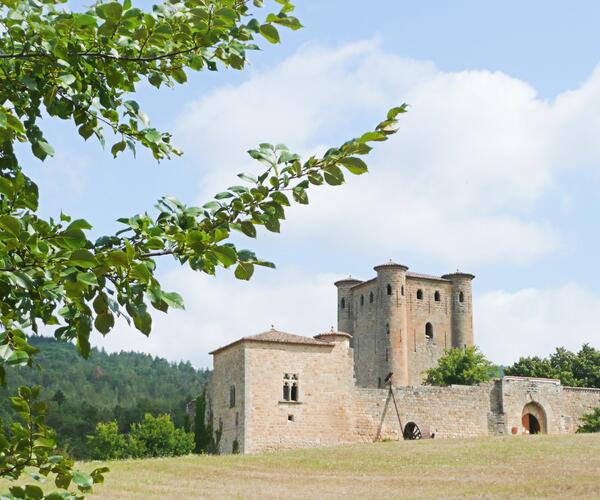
column 228, row 371
column 323, row 414
column 446, row 412
column 423, row 353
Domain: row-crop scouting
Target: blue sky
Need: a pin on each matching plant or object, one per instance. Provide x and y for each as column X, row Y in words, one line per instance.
column 494, row 170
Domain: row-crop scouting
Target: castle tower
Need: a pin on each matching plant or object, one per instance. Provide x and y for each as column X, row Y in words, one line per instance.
column 392, row 317
column 345, row 313
column 462, row 309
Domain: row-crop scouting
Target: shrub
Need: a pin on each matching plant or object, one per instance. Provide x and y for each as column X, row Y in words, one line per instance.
column 157, row 437
column 107, row 443
column 591, row 421
column 461, row 366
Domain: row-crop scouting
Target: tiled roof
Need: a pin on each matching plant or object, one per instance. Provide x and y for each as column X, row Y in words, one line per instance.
column 275, row 336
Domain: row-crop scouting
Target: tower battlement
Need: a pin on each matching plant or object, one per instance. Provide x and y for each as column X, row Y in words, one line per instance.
column 402, row 322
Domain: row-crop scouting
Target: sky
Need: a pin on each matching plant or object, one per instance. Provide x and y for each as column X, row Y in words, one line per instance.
column 494, row 170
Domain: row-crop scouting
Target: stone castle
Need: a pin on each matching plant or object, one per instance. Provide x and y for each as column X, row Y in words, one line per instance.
column 277, row 390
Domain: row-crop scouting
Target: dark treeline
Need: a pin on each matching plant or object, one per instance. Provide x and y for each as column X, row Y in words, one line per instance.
column 121, row 387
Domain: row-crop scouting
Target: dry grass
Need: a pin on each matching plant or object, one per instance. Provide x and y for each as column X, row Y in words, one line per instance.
column 516, row 467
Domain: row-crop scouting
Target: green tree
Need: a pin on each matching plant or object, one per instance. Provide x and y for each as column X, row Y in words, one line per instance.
column 581, row 369
column 590, row 422
column 107, row 442
column 158, row 437
column 84, row 67
column 462, row 367
column 202, row 430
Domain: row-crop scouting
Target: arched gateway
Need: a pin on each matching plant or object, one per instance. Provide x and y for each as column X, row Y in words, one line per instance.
column 534, row 419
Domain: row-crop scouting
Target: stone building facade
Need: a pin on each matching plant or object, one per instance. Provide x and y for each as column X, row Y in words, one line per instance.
column 277, row 390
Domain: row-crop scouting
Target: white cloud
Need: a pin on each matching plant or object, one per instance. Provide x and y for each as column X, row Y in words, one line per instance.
column 222, row 309
column 533, row 321
column 459, row 183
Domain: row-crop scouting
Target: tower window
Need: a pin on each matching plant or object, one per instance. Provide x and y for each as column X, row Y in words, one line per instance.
column 290, row 387
column 343, row 304
column 362, row 300
column 371, row 298
column 436, row 296
column 420, row 294
column 402, row 290
column 387, row 354
column 231, row 396
column 461, row 297
column 389, row 289
column 429, row 331
column 387, row 328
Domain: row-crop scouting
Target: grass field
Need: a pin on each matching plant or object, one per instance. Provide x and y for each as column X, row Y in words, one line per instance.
column 535, row 466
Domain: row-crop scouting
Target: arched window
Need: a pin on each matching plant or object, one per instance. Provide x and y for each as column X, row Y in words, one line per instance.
column 371, row 298
column 420, row 294
column 389, row 289
column 461, row 297
column 436, row 296
column 429, row 331
column 387, row 328
column 402, row 290
column 290, row 387
column 231, row 396
column 343, row 304
column 362, row 300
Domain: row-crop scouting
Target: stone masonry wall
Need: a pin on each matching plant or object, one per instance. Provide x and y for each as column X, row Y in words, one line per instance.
column 323, row 414
column 228, row 370
column 422, row 352
column 456, row 411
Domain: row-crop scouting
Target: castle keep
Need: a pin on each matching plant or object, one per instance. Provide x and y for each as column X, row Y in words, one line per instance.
column 402, row 322
column 277, row 390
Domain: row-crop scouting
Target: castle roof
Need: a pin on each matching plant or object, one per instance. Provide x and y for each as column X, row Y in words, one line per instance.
column 278, row 337
column 332, row 333
column 426, row 276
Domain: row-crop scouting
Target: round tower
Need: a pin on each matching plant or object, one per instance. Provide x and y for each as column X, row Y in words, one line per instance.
column 392, row 318
column 462, row 309
column 345, row 314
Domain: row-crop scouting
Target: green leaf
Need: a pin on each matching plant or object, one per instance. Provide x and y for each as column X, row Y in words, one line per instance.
column 88, row 279
column 83, row 258
column 18, row 358
column 104, row 322
column 33, row 492
column 117, row 258
column 248, row 229
column 354, row 165
column 269, row 32
column 226, row 254
column 110, row 11
column 173, row 299
column 117, row 148
column 83, row 480
column 10, row 225
column 244, row 271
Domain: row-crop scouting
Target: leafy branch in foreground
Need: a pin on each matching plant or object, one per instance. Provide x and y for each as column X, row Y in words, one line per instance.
column 82, row 67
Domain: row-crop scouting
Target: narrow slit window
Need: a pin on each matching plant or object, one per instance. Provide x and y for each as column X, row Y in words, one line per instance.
column 343, row 304
column 419, row 294
column 461, row 297
column 371, row 298
column 362, row 300
column 436, row 296
column 231, row 396
column 389, row 289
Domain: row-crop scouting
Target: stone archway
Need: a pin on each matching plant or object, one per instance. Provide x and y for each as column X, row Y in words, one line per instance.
column 533, row 419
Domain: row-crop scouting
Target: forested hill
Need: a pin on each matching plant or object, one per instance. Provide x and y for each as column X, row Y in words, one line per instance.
column 105, row 387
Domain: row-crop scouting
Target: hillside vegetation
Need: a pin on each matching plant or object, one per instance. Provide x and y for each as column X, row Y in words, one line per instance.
column 523, row 467
column 121, row 387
